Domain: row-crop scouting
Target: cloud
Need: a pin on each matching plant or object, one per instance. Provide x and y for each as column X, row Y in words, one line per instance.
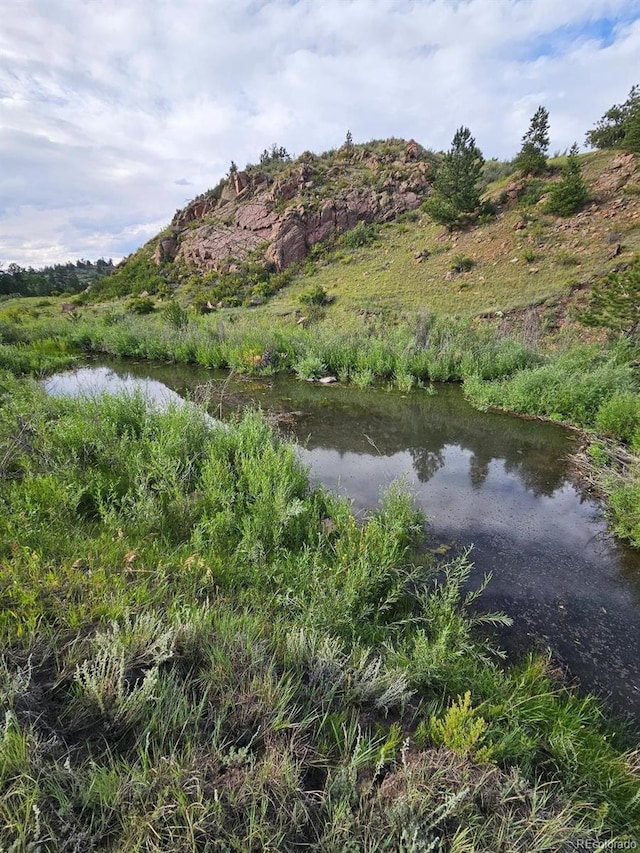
column 109, row 111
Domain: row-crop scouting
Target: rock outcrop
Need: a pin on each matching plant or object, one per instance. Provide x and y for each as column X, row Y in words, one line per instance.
column 281, row 216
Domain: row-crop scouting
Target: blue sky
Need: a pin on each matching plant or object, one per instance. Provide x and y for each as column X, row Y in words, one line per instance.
column 114, row 113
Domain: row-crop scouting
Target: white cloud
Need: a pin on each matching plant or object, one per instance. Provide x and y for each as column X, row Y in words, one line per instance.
column 112, row 113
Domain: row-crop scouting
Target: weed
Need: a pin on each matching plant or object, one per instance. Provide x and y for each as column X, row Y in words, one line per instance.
column 462, row 263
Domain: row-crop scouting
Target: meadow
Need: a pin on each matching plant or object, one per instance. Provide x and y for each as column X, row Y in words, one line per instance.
column 200, row 652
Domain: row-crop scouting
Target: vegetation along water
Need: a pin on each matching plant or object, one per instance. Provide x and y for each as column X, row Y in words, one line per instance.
column 205, row 649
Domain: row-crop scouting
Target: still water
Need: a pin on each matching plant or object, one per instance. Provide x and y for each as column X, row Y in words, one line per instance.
column 500, row 484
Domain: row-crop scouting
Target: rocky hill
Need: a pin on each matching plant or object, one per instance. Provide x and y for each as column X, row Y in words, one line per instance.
column 279, row 210
column 242, row 242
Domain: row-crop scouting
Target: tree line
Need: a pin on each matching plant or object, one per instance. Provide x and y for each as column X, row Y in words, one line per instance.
column 71, row 277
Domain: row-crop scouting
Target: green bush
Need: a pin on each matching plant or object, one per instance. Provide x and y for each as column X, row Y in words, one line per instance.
column 533, row 191
column 619, row 416
column 360, row 235
column 625, row 509
column 570, row 387
column 310, row 367
column 175, row 315
column 462, row 263
column 317, row 295
column 141, row 305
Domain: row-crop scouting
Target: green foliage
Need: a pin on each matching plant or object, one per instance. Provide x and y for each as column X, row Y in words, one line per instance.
column 624, row 501
column 47, row 356
column 619, row 417
column 175, row 315
column 456, row 195
column 533, row 191
column 570, row 387
column 619, row 127
column 614, row 301
column 190, row 654
column 566, row 259
column 274, row 155
column 631, row 141
column 315, row 296
column 362, row 234
column 310, row 367
column 141, row 305
column 364, row 377
column 52, row 280
column 532, row 157
column 132, row 277
column 462, row 263
column 461, row 730
column 496, row 170
column 570, row 193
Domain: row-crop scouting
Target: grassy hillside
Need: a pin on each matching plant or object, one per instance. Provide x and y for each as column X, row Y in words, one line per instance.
column 522, row 257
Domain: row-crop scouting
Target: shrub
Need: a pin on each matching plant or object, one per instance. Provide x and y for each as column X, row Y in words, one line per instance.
column 619, row 416
column 361, row 235
column 310, row 367
column 317, row 295
column 141, row 305
column 175, row 315
column 495, row 170
column 533, row 191
column 567, row 259
column 462, row 263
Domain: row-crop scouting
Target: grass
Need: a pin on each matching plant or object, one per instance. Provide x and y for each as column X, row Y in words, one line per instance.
column 192, row 660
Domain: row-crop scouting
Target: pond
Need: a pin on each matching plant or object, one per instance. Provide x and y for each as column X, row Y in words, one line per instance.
column 498, row 483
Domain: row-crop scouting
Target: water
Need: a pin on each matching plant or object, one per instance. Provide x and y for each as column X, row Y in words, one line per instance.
column 499, row 483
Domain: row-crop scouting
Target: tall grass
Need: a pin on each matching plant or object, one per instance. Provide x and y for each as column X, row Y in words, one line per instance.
column 194, row 659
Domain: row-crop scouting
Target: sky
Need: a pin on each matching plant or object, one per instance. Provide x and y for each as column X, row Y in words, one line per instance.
column 115, row 113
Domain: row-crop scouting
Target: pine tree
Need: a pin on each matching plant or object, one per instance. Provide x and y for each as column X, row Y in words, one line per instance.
column 570, row 193
column 532, row 158
column 456, row 196
column 615, row 301
column 618, row 127
column 631, row 141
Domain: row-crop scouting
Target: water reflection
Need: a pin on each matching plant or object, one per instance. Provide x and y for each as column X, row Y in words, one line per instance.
column 90, row 381
column 495, row 482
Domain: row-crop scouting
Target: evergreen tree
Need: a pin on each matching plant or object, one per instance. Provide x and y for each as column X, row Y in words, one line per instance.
column 456, row 196
column 631, row 141
column 615, row 301
column 532, row 157
column 618, row 127
column 570, row 193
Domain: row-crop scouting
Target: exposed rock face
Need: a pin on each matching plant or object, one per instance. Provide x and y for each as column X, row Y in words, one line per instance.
column 166, row 250
column 303, row 206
